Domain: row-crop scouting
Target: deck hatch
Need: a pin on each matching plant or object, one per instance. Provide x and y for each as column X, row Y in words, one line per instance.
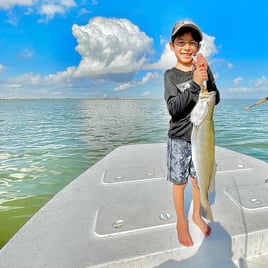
column 232, row 164
column 249, row 197
column 118, row 218
column 115, row 175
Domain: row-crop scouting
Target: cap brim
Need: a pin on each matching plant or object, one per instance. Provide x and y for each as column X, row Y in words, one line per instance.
column 188, row 25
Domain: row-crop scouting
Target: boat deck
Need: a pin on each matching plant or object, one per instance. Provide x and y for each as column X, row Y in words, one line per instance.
column 119, row 213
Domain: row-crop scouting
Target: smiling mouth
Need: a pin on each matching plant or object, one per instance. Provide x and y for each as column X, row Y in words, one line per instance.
column 187, row 55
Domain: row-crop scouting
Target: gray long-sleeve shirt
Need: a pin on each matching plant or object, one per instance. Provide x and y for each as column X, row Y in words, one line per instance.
column 181, row 95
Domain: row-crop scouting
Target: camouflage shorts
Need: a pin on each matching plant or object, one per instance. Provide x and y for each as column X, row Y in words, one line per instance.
column 179, row 161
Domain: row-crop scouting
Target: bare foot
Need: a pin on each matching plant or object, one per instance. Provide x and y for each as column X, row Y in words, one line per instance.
column 183, row 234
column 205, row 228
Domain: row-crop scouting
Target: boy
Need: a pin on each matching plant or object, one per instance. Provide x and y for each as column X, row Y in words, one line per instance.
column 182, row 87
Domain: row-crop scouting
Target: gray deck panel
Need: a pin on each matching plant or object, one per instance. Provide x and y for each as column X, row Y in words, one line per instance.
column 116, row 175
column 74, row 229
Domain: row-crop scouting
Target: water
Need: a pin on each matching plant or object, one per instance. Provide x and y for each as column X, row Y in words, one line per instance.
column 45, row 144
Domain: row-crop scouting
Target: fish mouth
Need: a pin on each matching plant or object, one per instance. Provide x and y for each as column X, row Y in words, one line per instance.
column 203, row 95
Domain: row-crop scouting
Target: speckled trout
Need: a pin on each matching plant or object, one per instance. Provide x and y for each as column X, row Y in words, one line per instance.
column 203, row 148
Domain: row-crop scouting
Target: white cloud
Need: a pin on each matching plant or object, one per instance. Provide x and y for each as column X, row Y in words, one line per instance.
column 238, row 80
column 47, row 9
column 261, row 81
column 260, row 85
column 146, row 94
column 109, row 47
column 31, row 79
column 208, row 47
column 26, row 54
column 123, row 86
column 67, row 3
column 112, row 50
column 8, row 4
column 50, row 10
column 45, row 6
column 61, row 78
column 242, row 89
column 10, row 85
column 84, row 11
column 167, row 60
column 94, row 2
column 25, row 79
column 2, row 67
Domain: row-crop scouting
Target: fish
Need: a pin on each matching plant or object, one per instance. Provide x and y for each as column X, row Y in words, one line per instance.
column 203, row 148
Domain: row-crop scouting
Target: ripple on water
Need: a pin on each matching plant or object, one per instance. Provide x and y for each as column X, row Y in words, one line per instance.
column 47, row 143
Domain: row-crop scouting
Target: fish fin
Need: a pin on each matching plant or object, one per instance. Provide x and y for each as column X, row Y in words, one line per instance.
column 207, row 212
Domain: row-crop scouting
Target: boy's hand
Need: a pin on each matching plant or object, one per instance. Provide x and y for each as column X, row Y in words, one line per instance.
column 200, row 70
column 201, row 61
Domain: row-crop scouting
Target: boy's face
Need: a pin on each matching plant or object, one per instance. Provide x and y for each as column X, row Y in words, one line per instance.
column 185, row 47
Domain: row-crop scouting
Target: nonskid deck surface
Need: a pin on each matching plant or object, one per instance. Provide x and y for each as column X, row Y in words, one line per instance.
column 119, row 213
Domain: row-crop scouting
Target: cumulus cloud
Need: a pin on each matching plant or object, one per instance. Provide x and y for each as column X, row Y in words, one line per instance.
column 208, row 47
column 110, row 47
column 167, row 60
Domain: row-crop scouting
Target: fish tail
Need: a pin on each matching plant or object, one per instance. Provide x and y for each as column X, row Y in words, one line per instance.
column 207, row 212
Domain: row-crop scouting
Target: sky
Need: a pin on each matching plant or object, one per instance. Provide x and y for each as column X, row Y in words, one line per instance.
column 101, row 48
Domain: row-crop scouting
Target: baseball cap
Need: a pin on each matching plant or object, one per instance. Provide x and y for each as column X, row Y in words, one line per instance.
column 185, row 23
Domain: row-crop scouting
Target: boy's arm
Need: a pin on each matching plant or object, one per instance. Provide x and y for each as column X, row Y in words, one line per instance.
column 178, row 102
